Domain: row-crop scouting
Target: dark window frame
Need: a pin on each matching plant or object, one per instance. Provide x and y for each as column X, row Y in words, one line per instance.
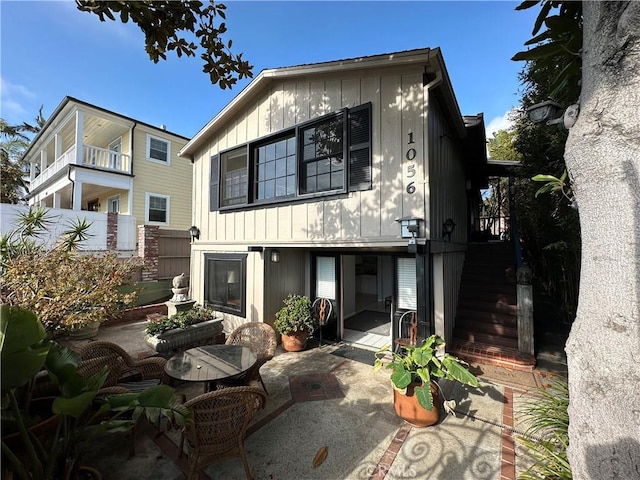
column 356, row 172
column 224, row 306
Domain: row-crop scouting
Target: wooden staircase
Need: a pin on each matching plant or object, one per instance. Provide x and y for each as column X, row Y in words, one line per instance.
column 486, row 328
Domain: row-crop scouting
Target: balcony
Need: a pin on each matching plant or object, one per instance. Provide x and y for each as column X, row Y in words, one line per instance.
column 93, row 157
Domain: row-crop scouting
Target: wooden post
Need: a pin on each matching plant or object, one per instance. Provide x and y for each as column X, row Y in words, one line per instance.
column 525, row 310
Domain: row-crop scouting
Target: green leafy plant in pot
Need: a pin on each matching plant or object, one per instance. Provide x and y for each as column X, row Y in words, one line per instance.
column 28, row 354
column 295, row 321
column 416, row 370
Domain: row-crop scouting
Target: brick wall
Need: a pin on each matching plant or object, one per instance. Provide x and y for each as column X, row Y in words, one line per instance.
column 148, row 251
column 112, row 231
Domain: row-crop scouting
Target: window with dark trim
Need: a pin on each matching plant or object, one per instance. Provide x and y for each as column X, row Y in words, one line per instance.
column 324, row 156
column 225, row 282
column 275, row 168
column 234, row 177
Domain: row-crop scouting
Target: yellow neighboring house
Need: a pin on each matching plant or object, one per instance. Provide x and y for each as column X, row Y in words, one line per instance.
column 92, row 159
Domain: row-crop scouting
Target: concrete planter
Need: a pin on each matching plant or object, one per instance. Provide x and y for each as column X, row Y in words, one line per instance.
column 203, row 333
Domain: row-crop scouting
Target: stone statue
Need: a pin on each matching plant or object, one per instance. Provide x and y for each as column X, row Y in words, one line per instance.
column 180, row 289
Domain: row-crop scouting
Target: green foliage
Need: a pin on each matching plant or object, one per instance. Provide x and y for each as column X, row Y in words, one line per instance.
column 559, row 46
column 197, row 314
column 25, row 351
column 166, row 24
column 66, row 289
column 555, row 184
column 501, row 146
column 424, row 364
column 14, row 169
column 547, row 438
column 549, row 224
column 296, row 315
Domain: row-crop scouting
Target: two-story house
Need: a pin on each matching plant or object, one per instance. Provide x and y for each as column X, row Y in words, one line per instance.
column 354, row 180
column 89, row 158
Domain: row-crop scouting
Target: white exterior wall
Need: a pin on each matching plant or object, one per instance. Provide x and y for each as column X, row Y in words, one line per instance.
column 362, row 218
column 354, row 219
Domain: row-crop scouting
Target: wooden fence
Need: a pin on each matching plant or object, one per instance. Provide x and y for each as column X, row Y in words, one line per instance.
column 174, row 250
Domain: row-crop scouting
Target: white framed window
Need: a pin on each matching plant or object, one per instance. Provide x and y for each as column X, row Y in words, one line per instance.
column 113, row 204
column 156, row 209
column 407, row 284
column 158, row 150
column 326, row 277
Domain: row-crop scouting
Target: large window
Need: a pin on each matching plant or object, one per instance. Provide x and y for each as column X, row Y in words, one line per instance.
column 225, row 282
column 275, row 168
column 157, row 208
column 158, row 149
column 324, row 156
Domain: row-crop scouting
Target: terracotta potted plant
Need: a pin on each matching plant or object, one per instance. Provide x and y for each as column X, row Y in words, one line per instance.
column 417, row 397
column 295, row 321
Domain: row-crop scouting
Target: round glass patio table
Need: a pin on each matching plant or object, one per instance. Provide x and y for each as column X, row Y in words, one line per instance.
column 210, row 363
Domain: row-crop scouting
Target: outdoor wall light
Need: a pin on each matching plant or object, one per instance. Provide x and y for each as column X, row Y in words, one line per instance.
column 194, row 232
column 551, row 113
column 275, row 256
column 410, row 228
column 448, row 226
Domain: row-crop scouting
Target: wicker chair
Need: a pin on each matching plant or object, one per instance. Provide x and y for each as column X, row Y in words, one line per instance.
column 125, row 373
column 220, row 421
column 259, row 337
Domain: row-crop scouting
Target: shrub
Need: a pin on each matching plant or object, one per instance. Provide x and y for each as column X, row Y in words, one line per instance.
column 68, row 290
column 296, row 315
column 65, row 289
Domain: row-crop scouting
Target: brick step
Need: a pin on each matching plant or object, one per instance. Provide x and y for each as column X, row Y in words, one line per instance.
column 475, row 326
column 479, row 353
column 486, row 338
column 489, row 247
column 485, row 317
column 484, row 304
column 481, row 276
column 493, row 297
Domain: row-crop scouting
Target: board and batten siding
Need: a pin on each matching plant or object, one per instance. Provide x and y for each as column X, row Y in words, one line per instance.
column 448, row 200
column 173, row 180
column 447, row 177
column 357, row 218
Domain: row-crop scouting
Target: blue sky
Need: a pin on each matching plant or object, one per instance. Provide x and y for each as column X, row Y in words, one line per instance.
column 50, row 49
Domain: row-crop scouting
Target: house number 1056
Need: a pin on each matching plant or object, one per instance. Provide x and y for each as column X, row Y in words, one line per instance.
column 411, row 167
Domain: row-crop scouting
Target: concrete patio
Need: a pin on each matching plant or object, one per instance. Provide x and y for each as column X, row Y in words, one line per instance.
column 316, row 399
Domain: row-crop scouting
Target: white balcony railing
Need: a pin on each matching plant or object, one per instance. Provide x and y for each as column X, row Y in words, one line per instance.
column 106, row 159
column 92, row 157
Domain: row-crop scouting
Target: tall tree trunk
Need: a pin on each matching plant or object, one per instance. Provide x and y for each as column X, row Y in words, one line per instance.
column 603, row 158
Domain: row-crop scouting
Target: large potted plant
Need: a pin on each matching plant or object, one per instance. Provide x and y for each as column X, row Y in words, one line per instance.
column 28, row 355
column 295, row 321
column 417, row 397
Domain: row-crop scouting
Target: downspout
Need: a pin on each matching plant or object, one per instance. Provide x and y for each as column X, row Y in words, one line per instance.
column 132, row 144
column 73, row 186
